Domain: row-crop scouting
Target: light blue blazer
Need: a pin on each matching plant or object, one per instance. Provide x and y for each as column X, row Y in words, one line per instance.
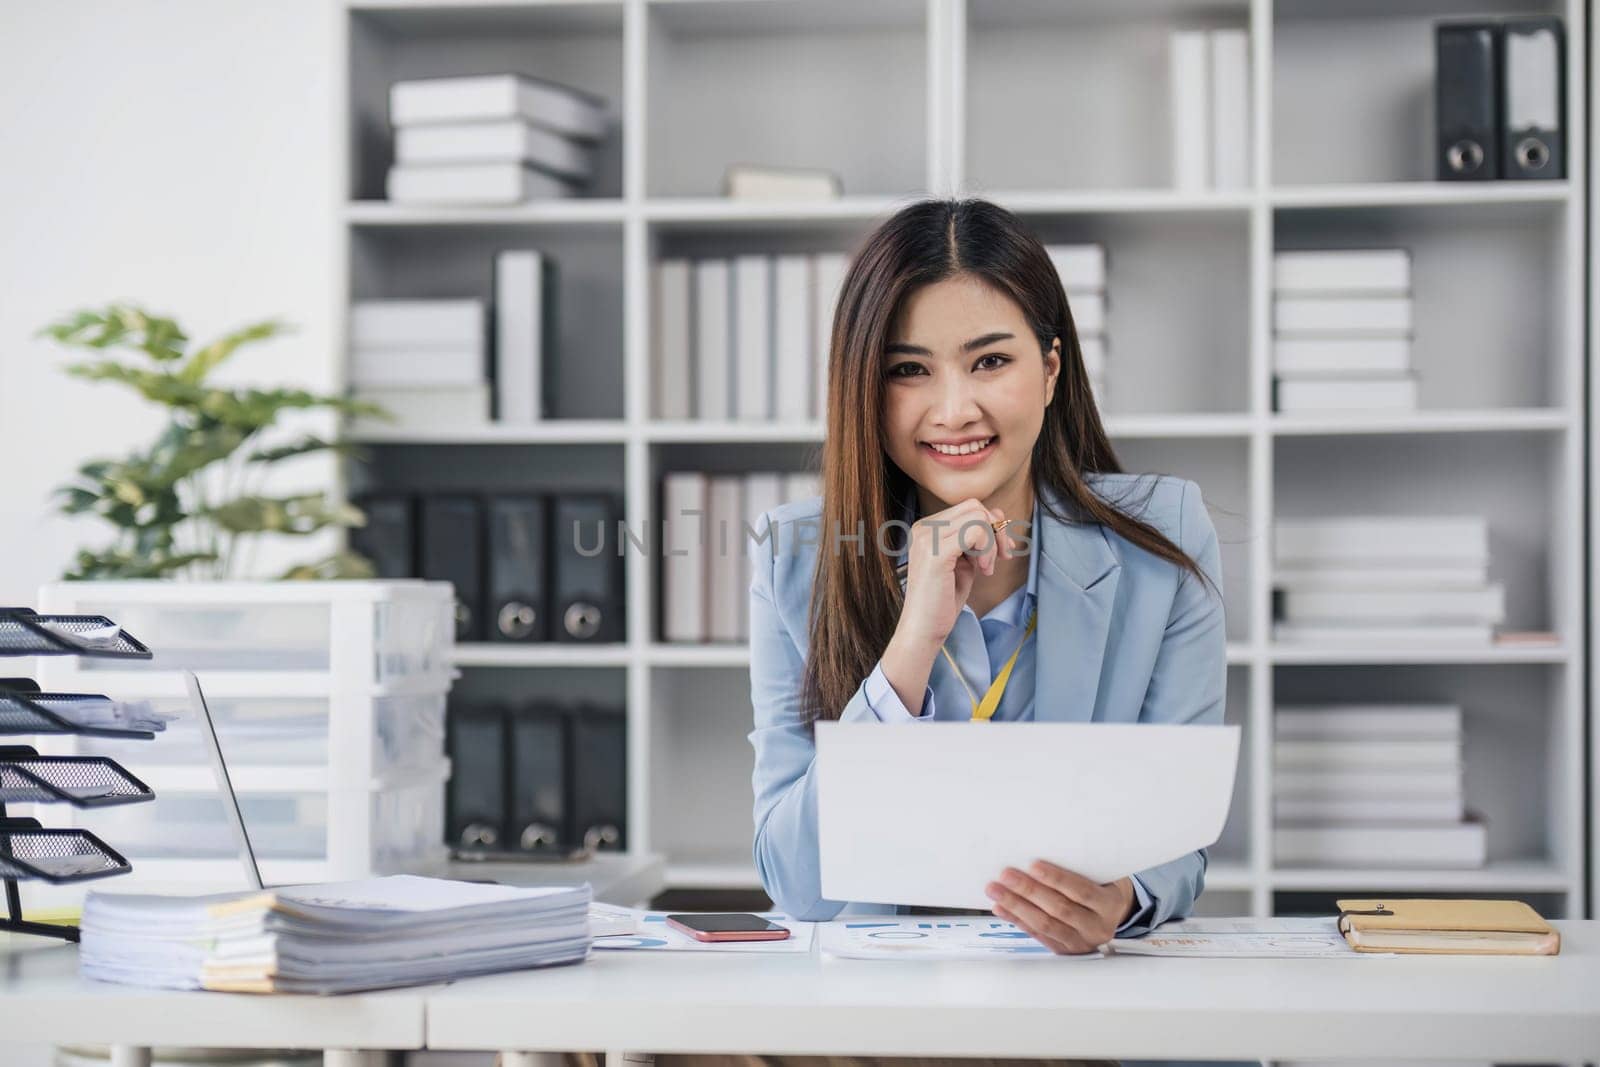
column 1124, row 636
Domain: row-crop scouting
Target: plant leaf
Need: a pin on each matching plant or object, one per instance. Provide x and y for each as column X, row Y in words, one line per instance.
column 183, row 450
column 305, row 446
column 111, row 564
column 77, row 499
column 207, row 359
column 254, row 409
column 292, row 515
column 340, row 565
column 152, row 385
column 121, row 325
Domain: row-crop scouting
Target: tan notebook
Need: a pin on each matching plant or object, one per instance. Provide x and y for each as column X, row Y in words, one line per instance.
column 1476, row 927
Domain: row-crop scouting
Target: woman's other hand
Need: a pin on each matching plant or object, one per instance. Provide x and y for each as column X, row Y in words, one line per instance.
column 1065, row 912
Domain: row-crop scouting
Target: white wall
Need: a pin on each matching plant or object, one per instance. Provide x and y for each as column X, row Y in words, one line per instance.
column 176, row 153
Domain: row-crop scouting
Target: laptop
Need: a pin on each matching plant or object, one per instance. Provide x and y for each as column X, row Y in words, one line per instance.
column 219, row 766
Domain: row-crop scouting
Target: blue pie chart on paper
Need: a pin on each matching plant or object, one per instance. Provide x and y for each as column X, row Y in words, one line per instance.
column 634, row 942
column 898, row 935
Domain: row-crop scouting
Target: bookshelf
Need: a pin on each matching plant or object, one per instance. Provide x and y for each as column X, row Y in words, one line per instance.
column 1592, row 639
column 959, row 91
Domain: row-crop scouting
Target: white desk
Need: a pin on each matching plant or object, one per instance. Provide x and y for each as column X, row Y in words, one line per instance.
column 43, row 999
column 1131, row 1007
column 1480, row 1008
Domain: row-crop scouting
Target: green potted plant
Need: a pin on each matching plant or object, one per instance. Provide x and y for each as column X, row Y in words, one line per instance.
column 189, row 503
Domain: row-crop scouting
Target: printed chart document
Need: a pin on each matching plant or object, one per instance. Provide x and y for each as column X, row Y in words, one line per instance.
column 608, row 920
column 653, row 934
column 1240, row 938
column 931, row 813
column 933, row 937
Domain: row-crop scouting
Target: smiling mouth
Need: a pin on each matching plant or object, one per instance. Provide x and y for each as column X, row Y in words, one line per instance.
column 970, row 448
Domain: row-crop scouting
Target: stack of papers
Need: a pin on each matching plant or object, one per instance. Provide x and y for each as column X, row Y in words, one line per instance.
column 332, row 938
column 97, row 637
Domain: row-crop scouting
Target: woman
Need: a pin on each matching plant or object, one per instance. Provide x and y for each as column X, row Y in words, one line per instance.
column 958, row 404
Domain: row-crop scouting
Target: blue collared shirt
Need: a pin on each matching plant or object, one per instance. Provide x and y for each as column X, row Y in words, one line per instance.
column 981, row 647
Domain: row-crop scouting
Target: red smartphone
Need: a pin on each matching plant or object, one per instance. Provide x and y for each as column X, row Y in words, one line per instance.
column 730, row 927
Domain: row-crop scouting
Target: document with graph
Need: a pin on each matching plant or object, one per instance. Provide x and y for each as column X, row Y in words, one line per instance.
column 930, row 813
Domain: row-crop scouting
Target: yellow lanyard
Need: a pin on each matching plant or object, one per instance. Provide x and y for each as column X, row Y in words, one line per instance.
column 983, row 711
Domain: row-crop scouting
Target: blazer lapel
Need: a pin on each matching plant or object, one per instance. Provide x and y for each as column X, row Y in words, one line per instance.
column 1078, row 575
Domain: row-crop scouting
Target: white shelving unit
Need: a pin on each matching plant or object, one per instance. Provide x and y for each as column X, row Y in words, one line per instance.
column 989, row 97
column 1592, row 638
column 328, row 698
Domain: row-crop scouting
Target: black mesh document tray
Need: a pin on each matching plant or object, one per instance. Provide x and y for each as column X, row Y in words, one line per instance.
column 55, row 855
column 39, row 713
column 26, row 633
column 82, row 781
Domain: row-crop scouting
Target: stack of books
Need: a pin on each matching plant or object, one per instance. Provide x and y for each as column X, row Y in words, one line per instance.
column 331, row 938
column 1366, row 785
column 1342, row 324
column 424, row 361
column 1393, row 581
column 708, row 520
column 1083, row 275
column 427, row 361
column 749, row 181
column 744, row 338
column 1210, row 86
column 494, row 139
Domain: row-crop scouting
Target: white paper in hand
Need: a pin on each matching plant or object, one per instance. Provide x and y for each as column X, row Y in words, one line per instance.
column 930, row 813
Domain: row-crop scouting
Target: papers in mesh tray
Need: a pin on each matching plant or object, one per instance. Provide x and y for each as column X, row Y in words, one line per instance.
column 112, row 714
column 108, row 636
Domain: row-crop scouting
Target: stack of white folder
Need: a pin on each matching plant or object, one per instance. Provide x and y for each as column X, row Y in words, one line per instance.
column 421, row 360
column 1372, row 786
column 707, row 523
column 1390, row 581
column 1342, row 322
column 525, row 333
column 1209, row 82
column 1082, row 269
column 332, row 938
column 744, row 338
column 494, row 139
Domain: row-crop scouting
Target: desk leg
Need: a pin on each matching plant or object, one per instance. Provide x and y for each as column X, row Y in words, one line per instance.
column 558, row 1059
column 343, row 1057
column 130, row 1056
column 630, row 1059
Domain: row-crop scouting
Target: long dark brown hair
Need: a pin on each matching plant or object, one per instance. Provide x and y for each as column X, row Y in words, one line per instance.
column 856, row 596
